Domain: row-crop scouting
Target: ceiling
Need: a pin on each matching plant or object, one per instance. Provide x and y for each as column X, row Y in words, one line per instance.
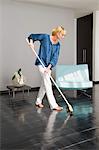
column 81, row 7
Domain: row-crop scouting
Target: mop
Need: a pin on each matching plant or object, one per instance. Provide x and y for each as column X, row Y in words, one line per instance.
column 69, row 107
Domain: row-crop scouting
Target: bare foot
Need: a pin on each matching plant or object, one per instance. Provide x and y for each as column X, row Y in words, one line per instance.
column 39, row 105
column 58, row 108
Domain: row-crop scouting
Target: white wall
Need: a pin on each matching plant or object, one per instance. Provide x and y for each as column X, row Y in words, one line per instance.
column 19, row 19
column 96, row 46
column 1, row 79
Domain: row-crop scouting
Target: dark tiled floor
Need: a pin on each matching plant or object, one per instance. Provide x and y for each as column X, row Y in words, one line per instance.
column 24, row 127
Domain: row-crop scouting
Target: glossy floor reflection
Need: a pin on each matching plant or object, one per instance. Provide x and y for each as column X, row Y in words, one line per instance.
column 25, row 127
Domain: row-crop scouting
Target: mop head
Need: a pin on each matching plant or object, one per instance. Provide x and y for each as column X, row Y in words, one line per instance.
column 70, row 110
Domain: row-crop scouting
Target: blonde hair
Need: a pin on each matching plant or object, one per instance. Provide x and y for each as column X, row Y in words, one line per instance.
column 58, row 29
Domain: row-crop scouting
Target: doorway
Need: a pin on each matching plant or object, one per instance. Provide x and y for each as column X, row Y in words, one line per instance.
column 84, row 41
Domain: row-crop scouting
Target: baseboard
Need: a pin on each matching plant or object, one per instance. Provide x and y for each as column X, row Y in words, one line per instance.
column 4, row 92
column 96, row 82
column 35, row 89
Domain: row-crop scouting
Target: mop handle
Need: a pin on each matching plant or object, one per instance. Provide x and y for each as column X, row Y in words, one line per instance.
column 49, row 75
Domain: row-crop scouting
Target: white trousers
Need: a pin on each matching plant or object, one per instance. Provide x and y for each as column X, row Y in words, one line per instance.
column 46, row 87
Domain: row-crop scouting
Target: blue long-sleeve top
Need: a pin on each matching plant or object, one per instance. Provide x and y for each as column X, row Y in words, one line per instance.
column 48, row 52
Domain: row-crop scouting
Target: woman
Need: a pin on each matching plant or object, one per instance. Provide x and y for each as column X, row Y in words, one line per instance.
column 48, row 53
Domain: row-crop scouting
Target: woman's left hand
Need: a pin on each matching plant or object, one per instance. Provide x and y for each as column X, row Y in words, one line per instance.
column 47, row 70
